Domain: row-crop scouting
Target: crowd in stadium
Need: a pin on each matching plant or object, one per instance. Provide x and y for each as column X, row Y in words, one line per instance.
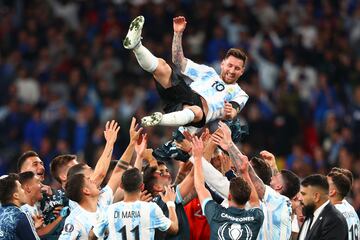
column 65, row 75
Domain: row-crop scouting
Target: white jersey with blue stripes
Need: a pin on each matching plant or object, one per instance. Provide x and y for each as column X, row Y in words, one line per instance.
column 208, row 84
column 79, row 223
column 351, row 217
column 132, row 220
column 277, row 216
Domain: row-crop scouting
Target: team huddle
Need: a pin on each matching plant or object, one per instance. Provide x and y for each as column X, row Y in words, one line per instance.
column 218, row 193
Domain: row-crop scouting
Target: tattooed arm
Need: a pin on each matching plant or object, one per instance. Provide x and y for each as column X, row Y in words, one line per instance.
column 223, row 139
column 111, row 130
column 179, row 24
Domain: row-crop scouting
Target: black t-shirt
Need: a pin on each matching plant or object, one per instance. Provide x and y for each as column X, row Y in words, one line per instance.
column 184, row 228
column 232, row 223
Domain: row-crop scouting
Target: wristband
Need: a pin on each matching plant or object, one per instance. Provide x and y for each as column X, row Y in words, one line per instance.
column 123, row 162
column 122, row 166
column 170, row 204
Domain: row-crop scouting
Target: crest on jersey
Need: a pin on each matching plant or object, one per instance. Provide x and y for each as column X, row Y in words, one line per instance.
column 234, row 231
column 69, row 227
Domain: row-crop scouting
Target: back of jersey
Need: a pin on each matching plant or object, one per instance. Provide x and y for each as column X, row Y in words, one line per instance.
column 134, row 220
column 351, row 217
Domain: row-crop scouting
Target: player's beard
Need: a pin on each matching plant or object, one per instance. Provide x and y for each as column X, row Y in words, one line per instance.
column 308, row 210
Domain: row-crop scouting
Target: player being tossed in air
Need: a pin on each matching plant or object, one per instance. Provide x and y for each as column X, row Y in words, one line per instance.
column 209, row 96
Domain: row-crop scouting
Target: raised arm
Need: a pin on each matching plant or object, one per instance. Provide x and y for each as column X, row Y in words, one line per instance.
column 270, row 158
column 199, row 182
column 125, row 159
column 140, row 148
column 179, row 24
column 169, row 198
column 244, row 169
column 111, row 130
column 225, row 142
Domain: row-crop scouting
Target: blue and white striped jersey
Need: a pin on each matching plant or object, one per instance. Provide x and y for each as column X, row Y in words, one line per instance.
column 132, row 220
column 351, row 217
column 208, row 84
column 79, row 223
column 277, row 216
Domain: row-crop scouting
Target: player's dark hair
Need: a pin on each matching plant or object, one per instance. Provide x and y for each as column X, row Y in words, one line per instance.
column 291, row 183
column 23, row 158
column 76, row 169
column 262, row 169
column 240, row 190
column 149, row 178
column 25, row 177
column 73, row 187
column 8, row 187
column 131, row 180
column 341, row 182
column 160, row 163
column 59, row 162
column 316, row 180
column 344, row 171
column 238, row 53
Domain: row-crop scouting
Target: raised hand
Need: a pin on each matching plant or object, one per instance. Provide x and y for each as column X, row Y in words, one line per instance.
column 197, row 148
column 111, row 131
column 269, row 158
column 244, row 164
column 134, row 134
column 141, row 145
column 222, row 137
column 179, row 24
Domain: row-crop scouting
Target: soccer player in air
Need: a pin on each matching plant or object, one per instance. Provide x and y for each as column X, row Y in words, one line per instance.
column 135, row 219
column 209, row 96
column 234, row 222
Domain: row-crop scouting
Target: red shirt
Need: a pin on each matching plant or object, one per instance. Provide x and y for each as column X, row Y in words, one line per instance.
column 199, row 227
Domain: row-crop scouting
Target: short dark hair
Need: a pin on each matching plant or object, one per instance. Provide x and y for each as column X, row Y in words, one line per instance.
column 238, row 53
column 160, row 163
column 291, row 183
column 240, row 190
column 344, row 171
column 131, row 180
column 149, row 178
column 341, row 182
column 316, row 180
column 24, row 177
column 262, row 169
column 76, row 169
column 23, row 158
column 73, row 187
column 8, row 187
column 58, row 162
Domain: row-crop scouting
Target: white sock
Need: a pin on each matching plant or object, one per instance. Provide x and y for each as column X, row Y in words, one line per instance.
column 145, row 58
column 178, row 118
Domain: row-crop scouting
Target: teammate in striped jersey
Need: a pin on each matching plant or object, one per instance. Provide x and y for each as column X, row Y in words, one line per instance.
column 135, row 219
column 339, row 187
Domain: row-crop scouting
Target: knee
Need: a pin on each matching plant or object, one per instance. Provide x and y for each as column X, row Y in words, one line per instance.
column 163, row 68
column 197, row 112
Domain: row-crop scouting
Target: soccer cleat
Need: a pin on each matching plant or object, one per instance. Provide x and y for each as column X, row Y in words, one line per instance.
column 133, row 37
column 152, row 120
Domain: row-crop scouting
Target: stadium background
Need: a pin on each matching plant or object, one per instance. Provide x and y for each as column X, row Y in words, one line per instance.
column 64, row 72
